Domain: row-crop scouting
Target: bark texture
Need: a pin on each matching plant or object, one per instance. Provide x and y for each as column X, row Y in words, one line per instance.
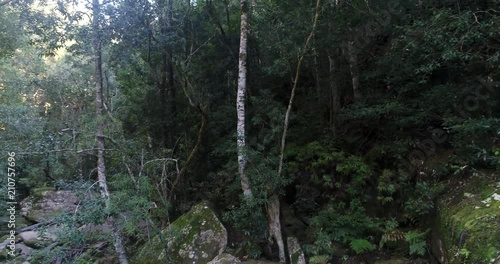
column 273, row 214
column 241, row 99
column 101, row 167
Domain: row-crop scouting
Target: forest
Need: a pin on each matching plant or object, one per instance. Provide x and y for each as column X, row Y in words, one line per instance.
column 250, row 131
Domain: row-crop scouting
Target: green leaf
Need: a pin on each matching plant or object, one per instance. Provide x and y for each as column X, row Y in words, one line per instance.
column 361, row 246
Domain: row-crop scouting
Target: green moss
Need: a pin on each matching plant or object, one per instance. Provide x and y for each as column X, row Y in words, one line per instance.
column 471, row 223
column 487, row 191
column 393, row 261
column 254, row 261
column 21, row 222
column 38, row 193
column 295, row 257
column 4, row 254
column 187, row 239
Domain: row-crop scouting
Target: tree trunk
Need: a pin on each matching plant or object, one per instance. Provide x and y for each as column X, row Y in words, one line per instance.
column 171, row 103
column 273, row 208
column 163, row 87
column 317, row 77
column 171, row 89
column 101, row 167
column 240, row 101
column 166, row 83
column 334, row 90
column 352, row 58
column 273, row 215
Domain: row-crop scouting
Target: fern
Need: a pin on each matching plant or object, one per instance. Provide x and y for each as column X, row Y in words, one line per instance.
column 361, row 246
column 322, row 259
column 391, row 236
column 416, row 242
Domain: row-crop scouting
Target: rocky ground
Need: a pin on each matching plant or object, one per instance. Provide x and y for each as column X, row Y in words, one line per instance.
column 466, row 230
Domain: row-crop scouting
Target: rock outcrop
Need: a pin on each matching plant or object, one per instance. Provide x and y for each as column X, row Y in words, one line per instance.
column 196, row 237
column 225, row 258
column 44, row 203
column 467, row 227
column 38, row 239
column 22, row 252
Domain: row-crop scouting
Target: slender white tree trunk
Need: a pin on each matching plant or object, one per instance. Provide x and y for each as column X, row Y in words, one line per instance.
column 240, row 100
column 101, row 167
column 273, row 207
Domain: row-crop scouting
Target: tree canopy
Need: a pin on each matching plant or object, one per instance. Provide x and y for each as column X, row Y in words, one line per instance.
column 357, row 115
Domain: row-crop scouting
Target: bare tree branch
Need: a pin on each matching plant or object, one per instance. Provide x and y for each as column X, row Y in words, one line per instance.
column 80, row 151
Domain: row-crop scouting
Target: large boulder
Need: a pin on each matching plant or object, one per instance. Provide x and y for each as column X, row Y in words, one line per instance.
column 225, row 258
column 44, row 203
column 30, row 238
column 467, row 226
column 393, row 261
column 258, row 261
column 38, row 239
column 196, row 237
column 6, row 247
column 21, row 252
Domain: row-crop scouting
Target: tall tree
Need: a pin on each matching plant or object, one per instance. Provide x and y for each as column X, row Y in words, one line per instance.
column 273, row 207
column 352, row 57
column 171, row 89
column 241, row 98
column 9, row 32
column 166, row 83
column 334, row 88
column 101, row 166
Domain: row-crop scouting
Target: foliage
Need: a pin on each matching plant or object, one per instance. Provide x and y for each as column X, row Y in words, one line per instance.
column 328, row 167
column 422, row 200
column 352, row 176
column 391, row 233
column 319, row 259
column 322, row 249
column 345, row 225
column 90, row 212
column 8, row 32
column 386, row 187
column 248, row 217
column 361, row 246
column 416, row 241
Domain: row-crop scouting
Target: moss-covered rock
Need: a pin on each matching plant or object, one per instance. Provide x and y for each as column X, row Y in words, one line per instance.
column 44, row 203
column 393, row 261
column 6, row 247
column 467, row 228
column 225, row 258
column 38, row 239
column 20, row 253
column 196, row 237
column 256, row 261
